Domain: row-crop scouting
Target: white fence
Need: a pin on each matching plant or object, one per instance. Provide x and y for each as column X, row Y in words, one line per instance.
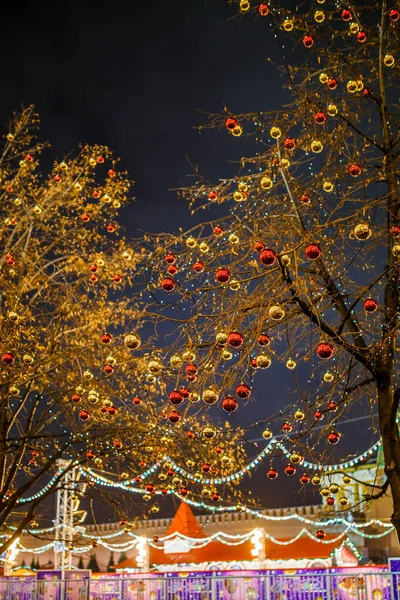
column 316, row 585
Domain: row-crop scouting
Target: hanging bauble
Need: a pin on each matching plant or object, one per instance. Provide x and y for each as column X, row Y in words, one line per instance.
column 206, row 468
column 267, row 257
column 90, row 455
column 215, row 497
column 272, row 473
column 210, row 396
column 191, row 242
column 275, row 132
column 263, row 340
column 221, row 338
column 8, row 358
column 87, row 375
column 304, row 479
column 346, row 479
column 172, row 270
column 243, row 391
column 264, row 10
column 191, row 369
column 111, row 410
column 370, row 305
column 346, row 15
column 394, row 15
column 324, row 492
column 343, row 501
column 83, row 415
column 204, row 247
column 229, row 404
column 267, row 434
column 330, row 501
column 106, row 338
column 319, row 16
column 388, row 60
column 313, row 251
column 218, row 230
column 266, row 183
column 231, row 123
column 212, row 196
column 117, row 278
column 219, row 450
column 323, row 77
column 237, row 131
column 168, row 284
column 240, row 196
column 258, row 246
column 188, row 356
column 318, row 415
column 288, row 24
column 304, row 199
column 320, row 534
column 27, row 359
column 170, row 258
column 308, row 41
column 395, row 231
column 290, row 143
column 154, row 366
column 276, row 312
column 208, row 432
column 331, row 83
column 333, row 437
column 296, row 458
column 332, row 110
column 320, row 118
column 137, row 400
column 175, row 361
column 206, row 492
column 76, row 398
column 334, row 488
column 222, row 275
column 362, row 232
column 361, row 37
column 234, row 285
column 244, row 6
column 185, row 392
column 333, row 406
column 198, row 266
column 396, row 250
column 184, row 492
column 117, row 444
column 325, row 350
column 263, row 361
column 108, row 369
column 328, row 377
column 287, row 427
column 291, row 364
column 316, row 480
column 355, row 170
column 354, row 28
column 175, row 397
column 233, row 238
column 290, row 470
column 150, row 487
column 316, row 146
column 299, row 415
column 174, row 416
column 235, row 339
column 194, row 396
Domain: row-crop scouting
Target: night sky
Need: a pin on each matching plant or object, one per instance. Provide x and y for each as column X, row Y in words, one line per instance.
column 135, row 76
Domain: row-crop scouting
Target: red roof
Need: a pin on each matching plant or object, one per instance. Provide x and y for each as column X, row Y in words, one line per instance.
column 304, row 547
column 185, row 522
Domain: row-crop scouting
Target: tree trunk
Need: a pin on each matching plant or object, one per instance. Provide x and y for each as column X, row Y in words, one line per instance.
column 387, row 405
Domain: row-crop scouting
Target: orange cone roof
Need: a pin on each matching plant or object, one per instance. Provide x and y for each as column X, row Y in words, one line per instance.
column 185, row 522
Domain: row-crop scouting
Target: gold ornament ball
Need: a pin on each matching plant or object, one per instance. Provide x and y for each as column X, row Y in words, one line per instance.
column 242, row 186
column 155, row 508
column 291, row 364
column 332, row 110
column 27, row 359
column 343, row 501
column 354, row 28
column 194, row 397
column 210, row 396
column 295, row 458
column 87, row 375
column 323, row 78
column 244, row 6
column 319, row 16
column 239, row 196
column 266, row 183
column 189, row 356
column 362, row 232
column 234, row 285
column 233, row 238
column 334, row 488
column 175, row 361
column 285, row 163
column 388, row 60
column 154, row 366
column 263, row 361
column 328, row 377
column 351, row 86
column 316, row 480
column 226, row 354
column 132, row 341
column 267, row 434
column 396, row 250
column 288, row 24
column 208, row 432
column 237, row 131
column 324, row 491
column 316, row 146
column 204, row 248
column 275, row 132
column 346, row 479
column 328, row 186
column 191, row 242
column 299, row 415
column 276, row 312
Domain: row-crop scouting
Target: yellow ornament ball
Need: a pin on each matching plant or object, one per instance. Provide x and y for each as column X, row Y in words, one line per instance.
column 334, row 488
column 234, row 285
column 242, row 186
column 328, row 377
column 323, row 78
column 324, row 491
column 191, row 242
column 239, row 196
column 175, row 361
column 299, row 415
column 354, row 28
column 189, row 356
column 244, row 6
column 316, row 480
column 267, row 434
column 343, row 501
column 194, row 397
column 328, row 186
column 388, row 60
column 208, row 432
column 221, row 338
column 204, row 247
column 332, row 110
column 263, row 361
column 132, row 341
column 154, row 366
column 362, row 232
column 210, row 396
column 288, row 24
column 285, row 163
column 237, row 131
column 351, row 86
column 275, row 132
column 233, row 238
column 290, row 364
column 276, row 312
column 316, row 146
column 266, row 183
column 346, row 479
column 319, row 16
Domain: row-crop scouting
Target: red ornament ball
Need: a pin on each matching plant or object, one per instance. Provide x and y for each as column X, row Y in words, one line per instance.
column 93, row 268
column 361, row 37
column 198, row 266
column 325, row 350
column 155, row 538
column 333, row 437
column 243, row 391
column 320, row 534
column 313, row 251
column 229, row 404
column 231, row 123
column 83, row 415
column 258, row 246
column 174, row 416
column 272, row 473
column 213, row 196
column 308, row 41
column 150, row 488
column 137, row 400
column 170, row 258
column 332, row 83
column 370, row 305
column 8, row 358
column 110, row 228
column 108, row 369
column 172, row 270
column 191, row 369
column 117, row 444
column 263, row 340
column 235, row 339
column 330, row 501
column 222, row 275
column 190, row 435
column 304, row 199
column 286, row 427
column 117, row 278
column 76, row 398
column 111, row 173
column 395, row 231
column 267, row 257
column 106, row 338
column 185, row 392
column 290, row 470
column 175, row 397
column 333, row 406
column 394, row 15
column 346, row 15
column 304, row 479
column 218, row 230
column 164, row 492
column 320, row 118
column 215, row 497
column 355, row 170
column 111, row 410
column 318, row 415
column 206, row 468
column 184, row 492
column 89, row 455
column 289, row 144
column 168, row 284
column 263, row 10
